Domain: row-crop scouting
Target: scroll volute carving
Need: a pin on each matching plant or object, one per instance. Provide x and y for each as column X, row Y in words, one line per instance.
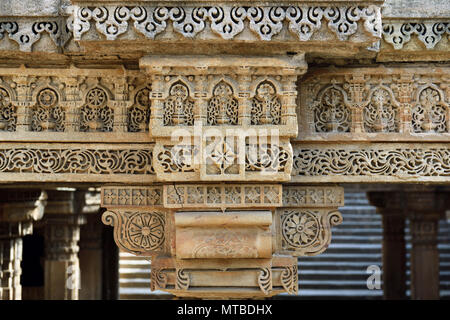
column 307, row 232
column 139, row 232
column 305, row 221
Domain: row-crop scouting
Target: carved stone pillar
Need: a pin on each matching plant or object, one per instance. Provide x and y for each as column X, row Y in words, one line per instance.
column 18, row 210
column 394, row 246
column 423, row 206
column 62, row 233
column 210, row 239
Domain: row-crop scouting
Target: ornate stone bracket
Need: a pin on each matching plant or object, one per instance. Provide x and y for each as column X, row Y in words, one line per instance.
column 198, row 251
column 305, row 220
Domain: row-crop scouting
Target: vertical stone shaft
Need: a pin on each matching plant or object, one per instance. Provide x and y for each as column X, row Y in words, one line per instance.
column 394, row 257
column 424, row 257
column 62, row 233
column 10, row 270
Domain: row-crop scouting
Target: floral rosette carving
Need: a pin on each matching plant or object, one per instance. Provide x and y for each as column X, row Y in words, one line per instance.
column 140, row 233
column 307, row 232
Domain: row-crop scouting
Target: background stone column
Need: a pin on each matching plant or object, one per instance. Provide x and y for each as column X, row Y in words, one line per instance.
column 424, row 256
column 423, row 206
column 394, row 245
column 62, row 233
column 18, row 209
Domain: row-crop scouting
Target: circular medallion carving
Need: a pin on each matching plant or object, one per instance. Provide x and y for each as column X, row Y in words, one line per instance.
column 96, row 97
column 145, row 230
column 300, row 229
column 47, row 98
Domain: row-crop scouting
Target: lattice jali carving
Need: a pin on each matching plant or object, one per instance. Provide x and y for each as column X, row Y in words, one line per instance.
column 266, row 107
column 47, row 115
column 398, row 33
column 96, row 115
column 138, row 232
column 229, row 21
column 75, row 160
column 139, row 114
column 8, row 116
column 331, row 112
column 89, row 100
column 222, row 107
column 224, row 159
column 381, row 113
column 317, row 197
column 178, row 107
column 431, row 113
column 242, row 123
column 306, row 232
column 267, row 158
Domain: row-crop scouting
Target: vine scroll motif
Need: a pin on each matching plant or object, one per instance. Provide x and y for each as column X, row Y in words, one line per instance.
column 8, row 117
column 183, row 280
column 289, row 279
column 158, row 280
column 265, row 280
column 140, row 233
column 307, row 232
column 414, row 162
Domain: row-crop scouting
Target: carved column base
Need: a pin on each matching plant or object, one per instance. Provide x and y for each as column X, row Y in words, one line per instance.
column 230, row 278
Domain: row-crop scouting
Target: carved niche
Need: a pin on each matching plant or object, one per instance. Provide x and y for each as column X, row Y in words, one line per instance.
column 47, row 115
column 8, row 117
column 96, row 115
